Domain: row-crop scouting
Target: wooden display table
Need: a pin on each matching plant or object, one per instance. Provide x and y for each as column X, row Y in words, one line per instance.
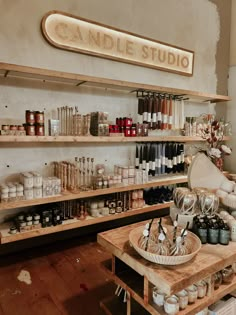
column 138, row 276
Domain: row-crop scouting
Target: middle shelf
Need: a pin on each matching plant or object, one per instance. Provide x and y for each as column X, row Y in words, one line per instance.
column 160, row 181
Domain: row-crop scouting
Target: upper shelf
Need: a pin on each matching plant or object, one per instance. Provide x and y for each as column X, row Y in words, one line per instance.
column 94, row 139
column 12, row 70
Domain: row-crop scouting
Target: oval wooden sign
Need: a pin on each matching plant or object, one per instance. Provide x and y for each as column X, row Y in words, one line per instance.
column 73, row 33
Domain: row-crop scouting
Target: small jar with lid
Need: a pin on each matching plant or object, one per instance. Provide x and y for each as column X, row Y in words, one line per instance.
column 131, row 171
column 127, row 132
column 39, row 117
column 5, row 127
column 29, row 194
column 39, row 129
column 30, row 129
column 133, row 130
column 125, row 172
column 227, row 275
column 37, row 179
column 13, row 127
column 20, row 128
column 145, row 129
column 27, row 180
column 139, row 130
column 4, row 197
column 29, row 116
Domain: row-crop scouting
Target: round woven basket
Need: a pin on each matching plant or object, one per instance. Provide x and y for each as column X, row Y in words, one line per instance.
column 195, row 242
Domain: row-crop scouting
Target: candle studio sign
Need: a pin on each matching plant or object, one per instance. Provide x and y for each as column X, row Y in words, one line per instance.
column 73, row 33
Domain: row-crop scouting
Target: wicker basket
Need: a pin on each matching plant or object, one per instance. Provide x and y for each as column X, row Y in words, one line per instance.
column 134, row 237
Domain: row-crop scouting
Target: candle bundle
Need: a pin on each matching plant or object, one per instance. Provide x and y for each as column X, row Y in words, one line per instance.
column 160, row 158
column 161, row 111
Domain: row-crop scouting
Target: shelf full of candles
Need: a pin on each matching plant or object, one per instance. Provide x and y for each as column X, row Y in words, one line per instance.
column 161, row 111
column 160, row 158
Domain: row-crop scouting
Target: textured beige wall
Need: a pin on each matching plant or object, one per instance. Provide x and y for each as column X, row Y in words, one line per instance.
column 190, row 24
column 232, row 35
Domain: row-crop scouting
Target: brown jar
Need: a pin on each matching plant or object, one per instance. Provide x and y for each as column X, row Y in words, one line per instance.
column 21, row 128
column 30, row 129
column 39, row 129
column 5, row 127
column 13, row 127
column 29, row 117
column 39, row 117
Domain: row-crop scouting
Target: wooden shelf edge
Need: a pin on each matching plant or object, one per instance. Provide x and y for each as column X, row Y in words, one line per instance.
column 52, row 75
column 162, row 181
column 97, row 139
column 76, row 224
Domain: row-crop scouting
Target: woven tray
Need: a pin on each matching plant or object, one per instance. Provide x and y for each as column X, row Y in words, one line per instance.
column 134, row 237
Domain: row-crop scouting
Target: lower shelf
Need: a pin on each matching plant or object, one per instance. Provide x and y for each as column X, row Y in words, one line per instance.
column 124, row 279
column 6, row 237
column 115, row 306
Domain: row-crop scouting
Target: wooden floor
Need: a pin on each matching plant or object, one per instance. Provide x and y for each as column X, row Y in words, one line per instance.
column 66, row 279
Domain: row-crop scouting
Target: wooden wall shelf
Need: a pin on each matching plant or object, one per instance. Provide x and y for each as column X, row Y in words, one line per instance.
column 93, row 139
column 6, row 237
column 12, row 70
column 163, row 180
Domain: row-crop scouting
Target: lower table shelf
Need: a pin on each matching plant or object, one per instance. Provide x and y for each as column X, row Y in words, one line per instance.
column 115, row 306
column 132, row 282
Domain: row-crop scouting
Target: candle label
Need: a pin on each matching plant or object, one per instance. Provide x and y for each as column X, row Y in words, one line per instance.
column 158, row 163
column 154, row 117
column 170, row 120
column 165, row 119
column 170, row 165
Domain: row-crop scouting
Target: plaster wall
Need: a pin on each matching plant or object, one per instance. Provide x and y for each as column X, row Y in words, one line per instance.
column 194, row 25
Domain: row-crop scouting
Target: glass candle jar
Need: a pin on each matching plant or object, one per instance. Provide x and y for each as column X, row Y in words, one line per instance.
column 39, row 117
column 29, row 117
column 39, row 129
column 30, row 129
column 217, row 280
column 227, row 274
